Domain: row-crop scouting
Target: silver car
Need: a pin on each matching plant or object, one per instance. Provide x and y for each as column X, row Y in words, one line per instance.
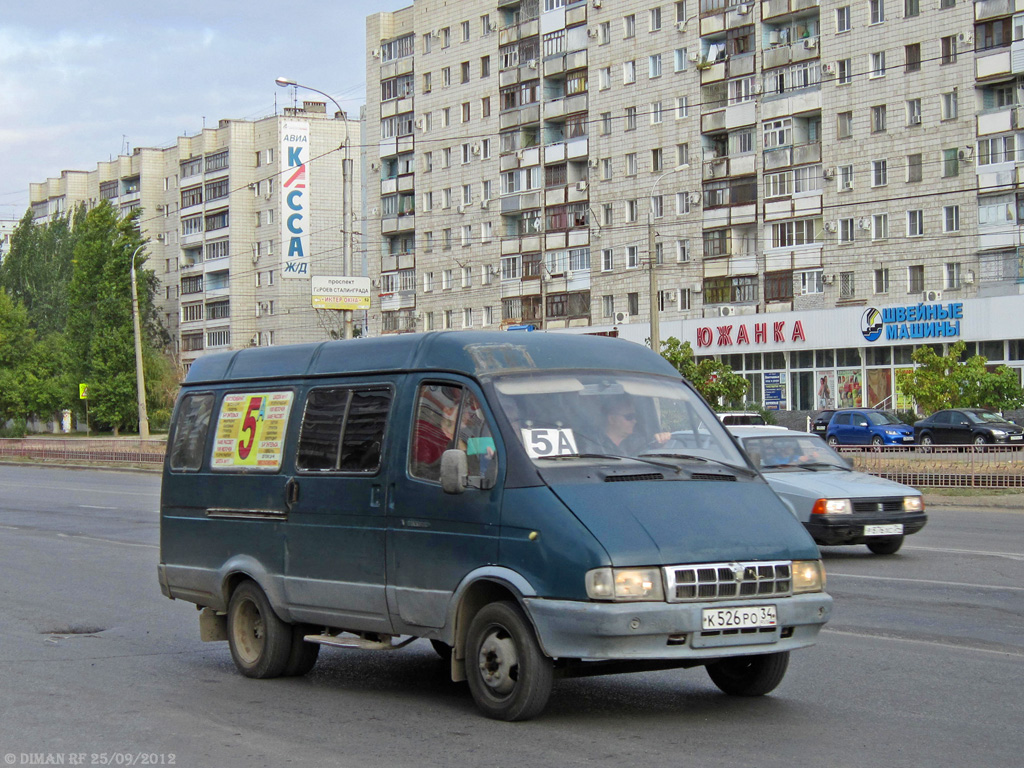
column 836, row 504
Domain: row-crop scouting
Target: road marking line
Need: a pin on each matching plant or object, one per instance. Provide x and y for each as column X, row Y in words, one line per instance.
column 830, row 574
column 106, row 541
column 960, row 646
column 1009, row 555
column 90, row 506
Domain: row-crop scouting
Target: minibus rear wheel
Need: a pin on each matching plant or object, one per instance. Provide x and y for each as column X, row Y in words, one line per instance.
column 749, row 675
column 508, row 674
column 260, row 642
column 303, row 655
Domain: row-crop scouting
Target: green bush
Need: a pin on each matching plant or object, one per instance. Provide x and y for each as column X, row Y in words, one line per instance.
column 14, row 428
column 907, row 417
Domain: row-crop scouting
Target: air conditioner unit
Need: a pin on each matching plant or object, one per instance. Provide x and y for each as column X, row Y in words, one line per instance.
column 435, row 33
column 268, row 195
column 933, row 295
column 421, row 123
column 493, row 26
column 743, row 10
column 694, row 56
column 915, row 120
column 968, row 278
column 695, row 198
column 621, row 317
column 532, row 63
column 828, row 279
column 161, row 237
column 593, row 162
column 681, row 26
column 160, row 206
column 831, row 226
column 828, row 68
column 847, row 186
column 374, row 166
column 477, row 148
column 811, row 43
column 375, row 53
column 484, row 203
column 581, row 186
column 773, row 37
column 965, row 38
column 375, row 211
column 593, row 32
column 965, row 154
column 462, row 207
column 830, row 172
column 596, row 3
column 727, row 311
column 671, row 297
column 864, row 223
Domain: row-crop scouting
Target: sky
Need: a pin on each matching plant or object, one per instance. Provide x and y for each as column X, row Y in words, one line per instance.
column 83, row 82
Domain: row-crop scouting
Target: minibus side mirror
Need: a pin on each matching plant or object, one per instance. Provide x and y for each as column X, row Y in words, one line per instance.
column 454, row 471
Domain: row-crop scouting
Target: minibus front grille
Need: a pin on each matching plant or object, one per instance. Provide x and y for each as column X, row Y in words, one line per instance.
column 728, row 581
column 712, row 476
column 633, row 478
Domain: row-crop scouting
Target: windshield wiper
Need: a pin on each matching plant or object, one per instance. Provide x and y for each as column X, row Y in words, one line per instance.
column 735, row 467
column 613, row 456
column 810, row 466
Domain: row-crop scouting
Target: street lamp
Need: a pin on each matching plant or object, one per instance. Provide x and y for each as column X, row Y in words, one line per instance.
column 346, row 195
column 140, row 379
column 653, row 287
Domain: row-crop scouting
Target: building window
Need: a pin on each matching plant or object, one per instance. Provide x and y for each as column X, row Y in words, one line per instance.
column 682, row 107
column 877, row 11
column 608, row 306
column 607, row 260
column 947, row 50
column 915, row 223
column 881, row 280
column 843, row 19
column 999, row 149
column 845, row 178
column 846, row 230
column 952, row 275
column 629, row 26
column 913, row 57
column 632, row 256
column 951, row 162
column 951, row 218
column 876, row 63
column 911, row 8
column 631, row 164
column 654, row 66
column 847, row 286
column 880, row 226
column 778, row 286
column 915, row 278
column 844, row 122
column 950, row 107
column 879, row 173
column 811, row 282
column 844, row 69
column 914, row 168
column 682, row 251
column 913, row 112
column 628, row 72
column 630, row 118
column 878, row 119
column 633, row 303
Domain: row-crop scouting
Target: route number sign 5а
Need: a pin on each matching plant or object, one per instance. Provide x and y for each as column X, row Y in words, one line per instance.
column 251, row 430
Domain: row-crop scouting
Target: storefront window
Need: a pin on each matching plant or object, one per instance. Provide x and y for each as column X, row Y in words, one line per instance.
column 849, row 356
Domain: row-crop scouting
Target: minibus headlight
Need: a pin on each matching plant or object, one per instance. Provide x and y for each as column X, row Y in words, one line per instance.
column 913, row 504
column 808, row 576
column 625, row 584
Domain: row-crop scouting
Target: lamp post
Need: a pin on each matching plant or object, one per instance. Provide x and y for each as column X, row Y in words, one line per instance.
column 346, row 196
column 653, row 286
column 140, row 379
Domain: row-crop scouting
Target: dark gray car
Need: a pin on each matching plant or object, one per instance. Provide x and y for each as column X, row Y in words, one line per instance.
column 958, row 426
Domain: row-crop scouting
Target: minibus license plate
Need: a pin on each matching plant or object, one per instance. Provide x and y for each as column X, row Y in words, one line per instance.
column 883, row 530
column 742, row 617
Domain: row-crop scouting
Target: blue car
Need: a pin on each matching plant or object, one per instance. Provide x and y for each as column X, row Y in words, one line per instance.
column 867, row 426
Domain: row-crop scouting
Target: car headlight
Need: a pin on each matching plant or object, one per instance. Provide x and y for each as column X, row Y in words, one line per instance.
column 893, row 432
column 832, row 507
column 998, row 432
column 808, row 576
column 625, row 584
column 913, row 504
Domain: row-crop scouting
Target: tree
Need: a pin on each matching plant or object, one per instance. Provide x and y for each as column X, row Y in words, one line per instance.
column 950, row 381
column 712, row 378
column 16, row 341
column 100, row 334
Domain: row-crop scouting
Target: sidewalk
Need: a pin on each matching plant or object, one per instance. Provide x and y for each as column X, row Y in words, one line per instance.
column 1013, row 500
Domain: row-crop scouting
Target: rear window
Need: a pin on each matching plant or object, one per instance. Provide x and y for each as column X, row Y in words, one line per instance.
column 190, row 432
column 743, row 419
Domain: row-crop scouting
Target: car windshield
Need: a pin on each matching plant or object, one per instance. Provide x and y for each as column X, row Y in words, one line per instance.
column 778, row 452
column 881, row 417
column 979, row 417
column 560, row 415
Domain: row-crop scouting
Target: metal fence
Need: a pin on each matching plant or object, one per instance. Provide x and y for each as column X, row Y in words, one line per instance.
column 86, row 451
column 943, row 466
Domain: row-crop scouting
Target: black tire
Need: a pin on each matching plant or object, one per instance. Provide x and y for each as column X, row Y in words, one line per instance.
column 509, row 676
column 832, row 441
column 303, row 655
column 927, row 440
column 887, row 545
column 980, row 440
column 749, row 675
column 877, row 442
column 442, row 649
column 260, row 642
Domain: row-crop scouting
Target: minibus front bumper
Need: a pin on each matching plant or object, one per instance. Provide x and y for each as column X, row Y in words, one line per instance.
column 569, row 629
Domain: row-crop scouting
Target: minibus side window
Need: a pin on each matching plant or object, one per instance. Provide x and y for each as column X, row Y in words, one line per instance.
column 190, row 432
column 449, row 416
column 343, row 429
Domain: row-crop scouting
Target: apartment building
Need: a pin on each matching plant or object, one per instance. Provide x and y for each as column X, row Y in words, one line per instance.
column 239, row 218
column 817, row 187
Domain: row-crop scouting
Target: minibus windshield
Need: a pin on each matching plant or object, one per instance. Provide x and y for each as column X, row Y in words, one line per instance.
column 612, row 414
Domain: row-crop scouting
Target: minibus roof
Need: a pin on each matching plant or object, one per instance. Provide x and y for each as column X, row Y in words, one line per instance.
column 474, row 353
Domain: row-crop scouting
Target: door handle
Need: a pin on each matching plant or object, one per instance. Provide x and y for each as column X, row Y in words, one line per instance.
column 291, row 493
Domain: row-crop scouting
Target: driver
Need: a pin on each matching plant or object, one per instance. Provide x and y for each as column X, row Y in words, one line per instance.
column 620, row 418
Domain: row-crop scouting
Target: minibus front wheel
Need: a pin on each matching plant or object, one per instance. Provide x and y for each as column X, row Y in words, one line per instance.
column 260, row 642
column 508, row 674
column 749, row 675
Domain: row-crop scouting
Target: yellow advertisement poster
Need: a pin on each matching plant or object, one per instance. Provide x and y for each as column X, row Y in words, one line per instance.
column 251, row 431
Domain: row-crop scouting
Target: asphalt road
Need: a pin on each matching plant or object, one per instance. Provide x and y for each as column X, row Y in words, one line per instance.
column 922, row 664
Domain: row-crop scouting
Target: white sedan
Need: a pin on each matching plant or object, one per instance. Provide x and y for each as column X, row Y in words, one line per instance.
column 836, row 504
